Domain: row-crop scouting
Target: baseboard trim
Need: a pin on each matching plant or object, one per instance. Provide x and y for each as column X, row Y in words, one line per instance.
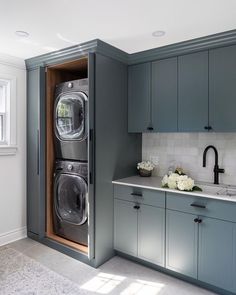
column 13, row 236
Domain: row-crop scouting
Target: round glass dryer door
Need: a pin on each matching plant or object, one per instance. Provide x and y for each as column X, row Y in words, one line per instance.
column 70, row 200
column 71, row 116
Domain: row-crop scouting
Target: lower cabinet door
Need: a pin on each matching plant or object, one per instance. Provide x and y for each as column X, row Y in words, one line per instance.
column 181, row 243
column 125, row 227
column 151, row 234
column 217, row 253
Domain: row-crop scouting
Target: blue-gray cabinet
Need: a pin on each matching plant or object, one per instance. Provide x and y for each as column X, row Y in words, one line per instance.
column 187, row 234
column 164, row 95
column 139, row 99
column 139, row 223
column 151, row 234
column 217, row 253
column 35, row 162
column 181, row 243
column 188, row 93
column 193, row 92
column 125, row 229
column 201, row 239
column 222, row 88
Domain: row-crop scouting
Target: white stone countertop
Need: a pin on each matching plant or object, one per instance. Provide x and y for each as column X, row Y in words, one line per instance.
column 211, row 191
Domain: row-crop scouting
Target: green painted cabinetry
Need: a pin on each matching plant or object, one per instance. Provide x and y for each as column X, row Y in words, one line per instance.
column 217, row 253
column 125, row 230
column 222, row 88
column 187, row 234
column 139, row 227
column 35, row 147
column 193, row 92
column 188, row 93
column 164, row 95
column 151, row 234
column 181, row 243
column 202, row 245
column 139, row 99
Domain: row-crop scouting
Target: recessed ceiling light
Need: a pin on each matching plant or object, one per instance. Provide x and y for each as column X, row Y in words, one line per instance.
column 158, row 33
column 22, row 34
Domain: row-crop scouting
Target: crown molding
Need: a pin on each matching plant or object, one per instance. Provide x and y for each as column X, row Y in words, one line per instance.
column 204, row 43
column 58, row 56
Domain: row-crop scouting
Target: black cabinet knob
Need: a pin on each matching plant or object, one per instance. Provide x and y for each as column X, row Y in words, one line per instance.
column 136, row 207
column 150, row 128
column 208, row 128
column 197, row 220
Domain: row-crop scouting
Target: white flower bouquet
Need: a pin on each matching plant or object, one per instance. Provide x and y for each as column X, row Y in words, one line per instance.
column 180, row 182
column 145, row 168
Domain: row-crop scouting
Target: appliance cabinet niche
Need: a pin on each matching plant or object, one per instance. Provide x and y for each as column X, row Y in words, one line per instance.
column 108, row 79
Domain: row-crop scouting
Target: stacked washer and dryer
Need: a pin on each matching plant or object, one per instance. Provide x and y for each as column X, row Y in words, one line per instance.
column 70, row 203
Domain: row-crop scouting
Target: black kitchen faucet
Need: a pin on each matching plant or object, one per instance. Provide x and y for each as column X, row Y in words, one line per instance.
column 216, row 170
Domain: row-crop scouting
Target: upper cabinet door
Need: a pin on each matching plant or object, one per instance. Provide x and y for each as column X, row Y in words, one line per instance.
column 139, row 83
column 164, row 95
column 193, row 92
column 222, row 79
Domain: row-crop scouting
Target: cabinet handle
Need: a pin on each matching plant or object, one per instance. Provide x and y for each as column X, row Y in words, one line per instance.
column 150, row 128
column 37, row 152
column 198, row 206
column 208, row 127
column 137, row 194
column 197, row 220
column 136, row 207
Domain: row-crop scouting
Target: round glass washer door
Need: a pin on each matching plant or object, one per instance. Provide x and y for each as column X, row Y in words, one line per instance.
column 71, row 198
column 71, row 116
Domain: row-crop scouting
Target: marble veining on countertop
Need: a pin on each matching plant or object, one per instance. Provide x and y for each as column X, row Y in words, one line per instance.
column 208, row 190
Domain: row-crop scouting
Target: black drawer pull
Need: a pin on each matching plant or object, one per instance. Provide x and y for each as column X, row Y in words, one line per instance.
column 136, row 207
column 198, row 206
column 150, row 128
column 137, row 194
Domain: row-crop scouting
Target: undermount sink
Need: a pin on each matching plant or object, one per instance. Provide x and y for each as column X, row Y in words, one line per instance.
column 210, row 189
column 218, row 190
column 227, row 192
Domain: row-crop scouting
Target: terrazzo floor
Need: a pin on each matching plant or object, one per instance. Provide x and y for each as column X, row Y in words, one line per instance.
column 117, row 276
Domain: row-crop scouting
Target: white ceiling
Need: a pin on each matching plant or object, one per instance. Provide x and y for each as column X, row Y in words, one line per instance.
column 126, row 24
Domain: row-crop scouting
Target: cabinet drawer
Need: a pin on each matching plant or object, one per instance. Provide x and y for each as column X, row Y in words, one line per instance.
column 202, row 206
column 140, row 195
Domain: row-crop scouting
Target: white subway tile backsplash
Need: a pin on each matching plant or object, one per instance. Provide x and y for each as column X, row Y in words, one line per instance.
column 186, row 150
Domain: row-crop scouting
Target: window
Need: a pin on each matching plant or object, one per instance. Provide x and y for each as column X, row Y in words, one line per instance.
column 4, row 98
column 7, row 115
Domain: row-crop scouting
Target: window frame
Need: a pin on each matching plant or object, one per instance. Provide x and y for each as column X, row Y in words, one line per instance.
column 9, row 145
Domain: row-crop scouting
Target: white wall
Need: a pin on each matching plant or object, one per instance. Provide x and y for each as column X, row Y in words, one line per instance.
column 186, row 150
column 13, row 167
